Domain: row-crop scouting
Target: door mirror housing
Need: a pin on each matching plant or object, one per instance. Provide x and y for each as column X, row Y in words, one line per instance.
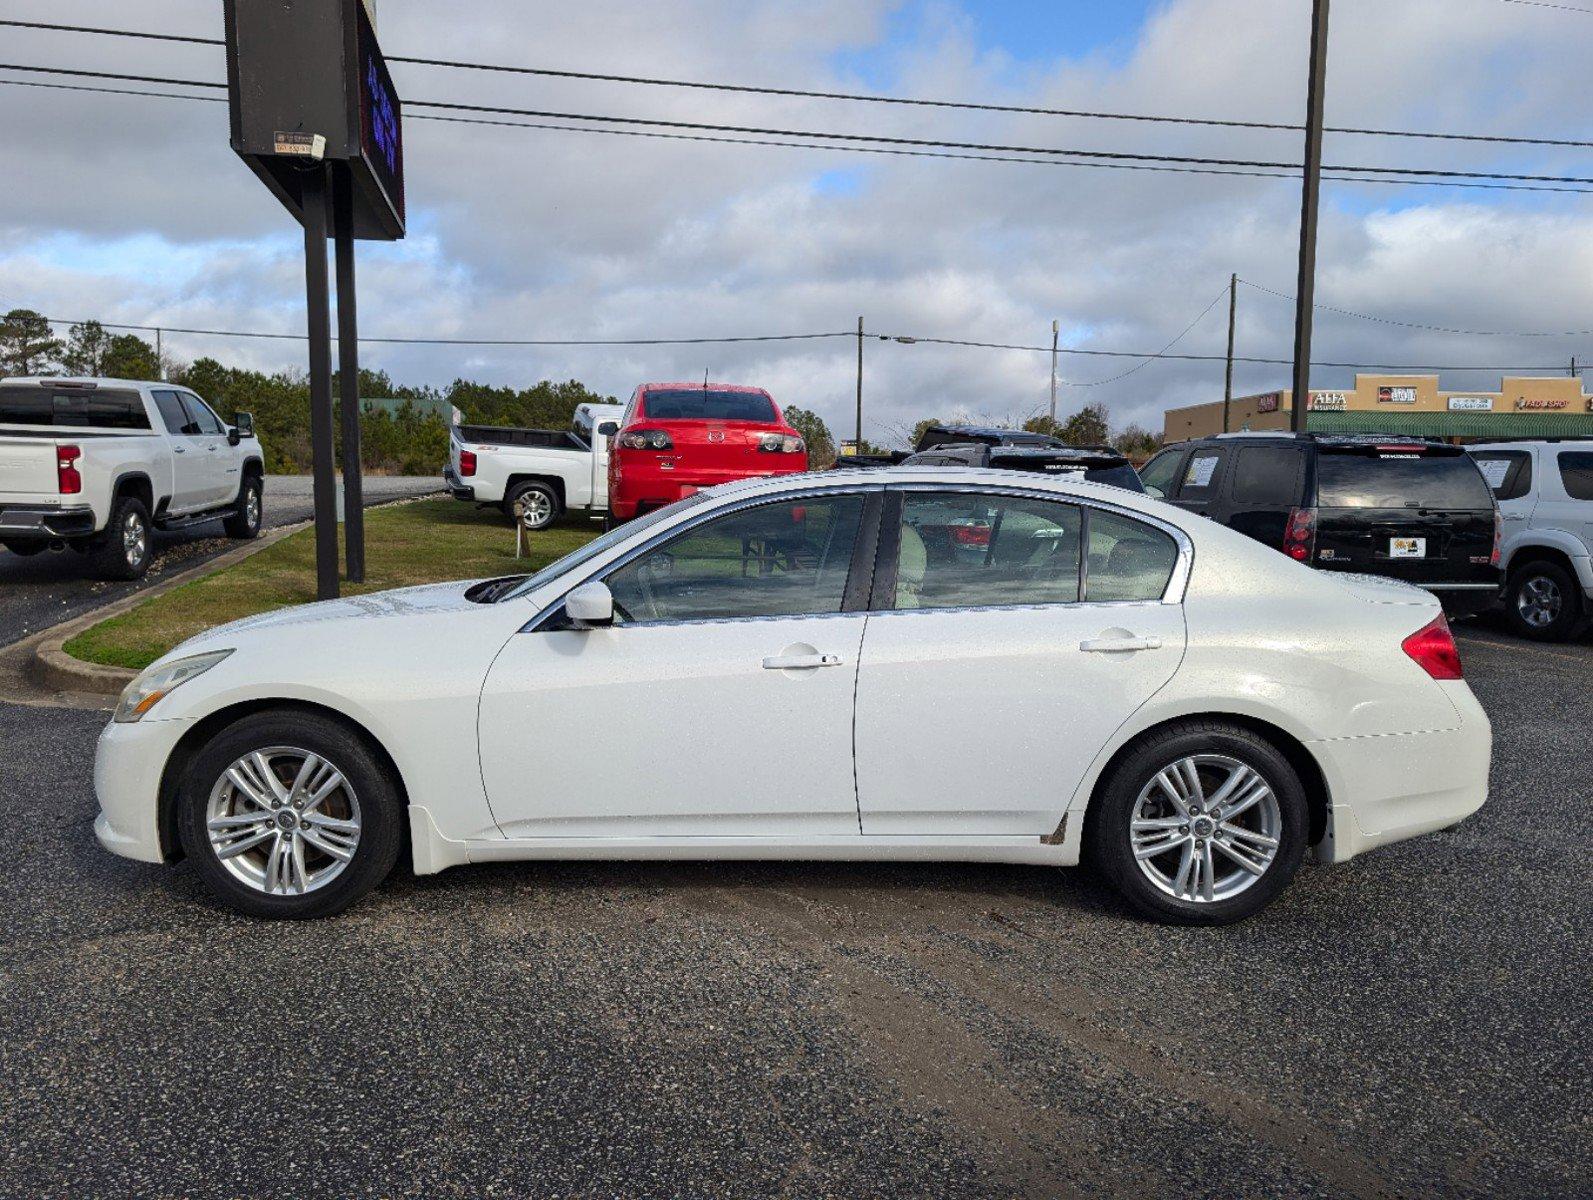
column 608, row 428
column 590, row 605
column 243, row 425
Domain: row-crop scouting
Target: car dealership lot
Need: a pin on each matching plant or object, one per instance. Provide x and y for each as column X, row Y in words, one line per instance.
column 1407, row 1023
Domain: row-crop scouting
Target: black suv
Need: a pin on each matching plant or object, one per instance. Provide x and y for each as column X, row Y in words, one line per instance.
column 1410, row 509
column 1018, row 450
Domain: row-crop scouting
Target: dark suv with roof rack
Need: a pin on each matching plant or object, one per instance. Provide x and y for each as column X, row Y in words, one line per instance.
column 1019, row 450
column 1407, row 508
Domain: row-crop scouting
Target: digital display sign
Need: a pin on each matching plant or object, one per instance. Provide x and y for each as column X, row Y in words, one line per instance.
column 381, row 126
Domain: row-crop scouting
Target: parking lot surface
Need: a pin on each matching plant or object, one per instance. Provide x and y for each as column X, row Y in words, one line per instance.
column 1409, row 1024
column 46, row 589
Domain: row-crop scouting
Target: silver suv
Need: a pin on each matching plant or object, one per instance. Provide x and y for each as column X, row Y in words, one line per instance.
column 1545, row 494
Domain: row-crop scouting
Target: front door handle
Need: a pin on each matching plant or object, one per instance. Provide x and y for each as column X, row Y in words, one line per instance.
column 1113, row 645
column 800, row 662
column 179, row 449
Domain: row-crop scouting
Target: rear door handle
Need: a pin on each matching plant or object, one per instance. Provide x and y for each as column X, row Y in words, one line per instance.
column 800, row 662
column 1110, row 645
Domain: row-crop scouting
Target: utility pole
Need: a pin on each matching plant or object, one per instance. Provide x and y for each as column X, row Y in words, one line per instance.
column 1053, row 371
column 348, row 373
column 1305, row 292
column 1227, row 381
column 859, row 443
column 160, row 357
column 318, row 310
column 1573, row 366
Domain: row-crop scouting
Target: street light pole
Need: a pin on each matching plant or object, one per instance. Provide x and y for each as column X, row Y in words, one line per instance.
column 1053, row 371
column 859, row 442
column 1227, row 381
column 1305, row 291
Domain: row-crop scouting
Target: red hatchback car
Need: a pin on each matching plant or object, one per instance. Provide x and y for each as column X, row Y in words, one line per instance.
column 676, row 438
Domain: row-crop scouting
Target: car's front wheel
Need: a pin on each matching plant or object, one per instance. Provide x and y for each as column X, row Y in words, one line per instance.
column 1204, row 823
column 243, row 522
column 289, row 814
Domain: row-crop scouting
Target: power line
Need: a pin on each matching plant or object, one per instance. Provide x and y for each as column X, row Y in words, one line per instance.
column 1587, row 12
column 1158, row 354
column 860, row 97
column 1415, row 325
column 846, row 140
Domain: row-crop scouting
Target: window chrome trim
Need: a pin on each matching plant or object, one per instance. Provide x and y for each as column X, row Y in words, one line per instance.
column 601, row 574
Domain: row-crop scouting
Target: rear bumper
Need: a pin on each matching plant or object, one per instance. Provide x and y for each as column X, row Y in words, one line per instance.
column 33, row 521
column 1464, row 599
column 1384, row 789
column 638, row 487
column 457, row 488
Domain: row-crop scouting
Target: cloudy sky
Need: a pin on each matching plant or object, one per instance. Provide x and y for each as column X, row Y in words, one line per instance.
column 135, row 210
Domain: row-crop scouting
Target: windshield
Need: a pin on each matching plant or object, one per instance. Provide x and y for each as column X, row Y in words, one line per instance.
column 1400, row 481
column 701, row 404
column 598, row 545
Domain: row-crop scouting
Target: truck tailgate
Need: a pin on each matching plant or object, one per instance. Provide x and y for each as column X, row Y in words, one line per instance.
column 27, row 465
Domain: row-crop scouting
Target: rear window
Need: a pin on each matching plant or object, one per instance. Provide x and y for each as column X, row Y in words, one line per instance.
column 706, row 405
column 72, row 408
column 1123, row 476
column 1370, row 480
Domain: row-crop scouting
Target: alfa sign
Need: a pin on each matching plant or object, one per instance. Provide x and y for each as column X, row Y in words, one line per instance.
column 1329, row 402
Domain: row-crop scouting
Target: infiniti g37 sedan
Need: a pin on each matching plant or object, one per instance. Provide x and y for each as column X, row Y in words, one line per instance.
column 946, row 664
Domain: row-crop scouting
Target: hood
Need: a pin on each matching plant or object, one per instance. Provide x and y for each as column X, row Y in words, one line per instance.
column 1378, row 589
column 425, row 600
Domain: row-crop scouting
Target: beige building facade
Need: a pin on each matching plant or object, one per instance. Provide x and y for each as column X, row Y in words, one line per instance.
column 1523, row 407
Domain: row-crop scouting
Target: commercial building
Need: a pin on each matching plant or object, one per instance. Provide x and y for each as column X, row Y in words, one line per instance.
column 1523, row 407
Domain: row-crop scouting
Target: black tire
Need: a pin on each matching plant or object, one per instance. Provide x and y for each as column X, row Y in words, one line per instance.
column 1108, row 837
column 243, row 522
column 380, row 811
column 1543, row 602
column 25, row 549
column 117, row 555
column 543, row 504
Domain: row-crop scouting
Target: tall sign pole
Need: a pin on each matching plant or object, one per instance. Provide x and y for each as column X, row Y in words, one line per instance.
column 860, row 385
column 313, row 196
column 348, row 377
column 1227, row 380
column 1305, row 291
column 1053, row 371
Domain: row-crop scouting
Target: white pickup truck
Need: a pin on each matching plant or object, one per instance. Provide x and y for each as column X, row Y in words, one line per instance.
column 545, row 472
column 95, row 464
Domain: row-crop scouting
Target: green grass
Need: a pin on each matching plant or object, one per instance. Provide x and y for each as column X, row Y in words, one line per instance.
column 424, row 542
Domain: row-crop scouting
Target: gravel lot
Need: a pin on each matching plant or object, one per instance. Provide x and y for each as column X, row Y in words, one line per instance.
column 47, row 589
column 1411, row 1023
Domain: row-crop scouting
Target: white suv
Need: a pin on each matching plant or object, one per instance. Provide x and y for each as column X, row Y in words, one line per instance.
column 1545, row 494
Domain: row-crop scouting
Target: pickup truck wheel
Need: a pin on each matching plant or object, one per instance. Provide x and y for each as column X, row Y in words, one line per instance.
column 25, row 549
column 1541, row 602
column 244, row 520
column 536, row 504
column 124, row 550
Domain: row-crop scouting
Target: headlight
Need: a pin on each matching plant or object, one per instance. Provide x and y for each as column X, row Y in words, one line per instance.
column 780, row 443
column 146, row 691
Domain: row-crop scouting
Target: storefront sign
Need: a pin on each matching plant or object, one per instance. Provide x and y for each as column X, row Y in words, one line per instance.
column 1539, row 403
column 1471, row 404
column 1329, row 402
column 1396, row 395
column 1269, row 403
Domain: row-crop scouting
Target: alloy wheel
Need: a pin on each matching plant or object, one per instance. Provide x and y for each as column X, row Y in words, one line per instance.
column 536, row 510
column 135, row 539
column 1205, row 828
column 251, row 507
column 1539, row 601
column 283, row 821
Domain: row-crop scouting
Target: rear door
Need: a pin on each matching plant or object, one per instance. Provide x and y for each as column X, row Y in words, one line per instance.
column 188, row 475
column 1265, row 484
column 1510, row 474
column 1419, row 513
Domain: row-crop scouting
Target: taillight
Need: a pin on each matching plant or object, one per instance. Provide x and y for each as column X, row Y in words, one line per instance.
column 1299, row 535
column 1498, row 537
column 971, row 535
column 1433, row 649
column 780, row 443
column 67, row 479
column 467, row 462
column 646, row 439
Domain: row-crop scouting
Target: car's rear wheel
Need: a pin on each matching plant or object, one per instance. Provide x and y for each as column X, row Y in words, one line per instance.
column 289, row 815
column 125, row 548
column 533, row 504
column 1541, row 602
column 1202, row 824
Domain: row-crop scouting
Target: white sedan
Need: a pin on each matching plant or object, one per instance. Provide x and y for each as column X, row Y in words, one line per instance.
column 925, row 664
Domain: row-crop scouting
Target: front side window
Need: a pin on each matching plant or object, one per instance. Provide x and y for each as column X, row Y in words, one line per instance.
column 776, row 560
column 1576, row 472
column 967, row 550
column 206, row 422
column 1160, row 474
column 1128, row 560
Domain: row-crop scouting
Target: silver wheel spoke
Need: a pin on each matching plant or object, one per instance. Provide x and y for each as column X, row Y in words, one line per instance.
column 1250, row 835
column 228, row 847
column 1186, row 863
column 256, row 793
column 1173, row 792
column 307, row 769
column 1241, row 856
column 338, row 849
column 1248, row 801
column 1151, row 848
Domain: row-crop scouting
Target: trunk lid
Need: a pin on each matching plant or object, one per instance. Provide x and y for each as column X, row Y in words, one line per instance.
column 719, row 445
column 27, row 465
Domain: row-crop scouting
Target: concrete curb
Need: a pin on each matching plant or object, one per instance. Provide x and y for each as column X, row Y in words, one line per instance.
column 57, row 670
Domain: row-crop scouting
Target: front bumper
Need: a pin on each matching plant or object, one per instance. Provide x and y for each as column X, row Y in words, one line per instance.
column 29, row 521
column 129, row 761
column 1387, row 788
column 457, row 488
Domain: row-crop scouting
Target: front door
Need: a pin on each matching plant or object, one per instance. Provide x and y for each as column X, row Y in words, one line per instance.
column 1019, row 633
column 219, row 470
column 719, row 704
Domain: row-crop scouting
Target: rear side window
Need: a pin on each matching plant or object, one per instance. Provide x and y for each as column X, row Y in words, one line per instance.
column 1129, row 560
column 173, row 415
column 1360, row 480
column 1576, row 471
column 1507, row 472
column 72, row 408
column 1267, row 475
column 706, row 405
column 968, row 550
column 1159, row 475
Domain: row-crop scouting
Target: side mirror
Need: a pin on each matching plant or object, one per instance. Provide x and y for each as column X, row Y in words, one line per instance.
column 1152, row 490
column 244, row 424
column 233, row 436
column 608, row 429
column 590, row 605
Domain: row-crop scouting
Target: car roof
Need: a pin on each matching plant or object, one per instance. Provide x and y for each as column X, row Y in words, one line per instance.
column 698, row 385
column 956, row 478
column 99, row 380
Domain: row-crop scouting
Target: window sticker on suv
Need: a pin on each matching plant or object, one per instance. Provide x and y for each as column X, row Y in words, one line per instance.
column 1201, row 468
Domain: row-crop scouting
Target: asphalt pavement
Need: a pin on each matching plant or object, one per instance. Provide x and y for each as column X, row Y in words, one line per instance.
column 46, row 589
column 1412, row 1023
